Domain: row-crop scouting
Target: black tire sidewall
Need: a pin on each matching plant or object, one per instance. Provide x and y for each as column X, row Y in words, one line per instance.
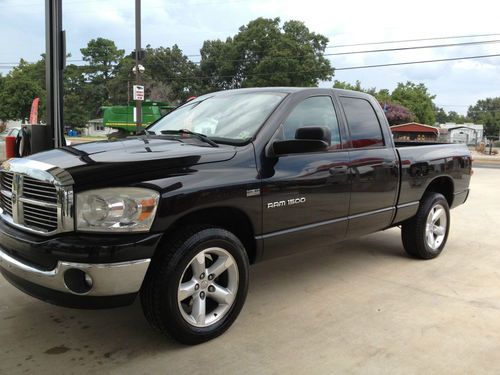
column 176, row 324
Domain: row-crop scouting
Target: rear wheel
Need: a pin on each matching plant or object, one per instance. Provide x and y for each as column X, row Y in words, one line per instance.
column 197, row 285
column 424, row 236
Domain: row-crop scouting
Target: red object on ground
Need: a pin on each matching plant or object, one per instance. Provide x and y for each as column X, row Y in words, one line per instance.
column 10, row 146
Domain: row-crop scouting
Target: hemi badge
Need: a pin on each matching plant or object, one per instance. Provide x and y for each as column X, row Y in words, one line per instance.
column 253, row 192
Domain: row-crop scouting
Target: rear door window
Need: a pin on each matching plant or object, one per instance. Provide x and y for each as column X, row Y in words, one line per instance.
column 363, row 123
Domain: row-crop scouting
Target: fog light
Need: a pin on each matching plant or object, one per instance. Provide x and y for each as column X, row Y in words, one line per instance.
column 78, row 281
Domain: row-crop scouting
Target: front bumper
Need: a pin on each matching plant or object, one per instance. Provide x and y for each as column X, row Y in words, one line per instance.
column 120, row 280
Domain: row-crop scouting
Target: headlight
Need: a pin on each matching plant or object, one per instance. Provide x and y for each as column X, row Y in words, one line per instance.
column 116, row 209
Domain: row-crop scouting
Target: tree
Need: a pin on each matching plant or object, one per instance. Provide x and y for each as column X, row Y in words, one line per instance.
column 102, row 56
column 348, row 86
column 121, row 84
column 457, row 118
column 18, row 89
column 417, row 99
column 382, row 95
column 441, row 115
column 3, row 110
column 487, row 112
column 396, row 114
column 76, row 97
column 265, row 54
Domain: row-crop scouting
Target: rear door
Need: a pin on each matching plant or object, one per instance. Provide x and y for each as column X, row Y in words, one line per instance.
column 373, row 166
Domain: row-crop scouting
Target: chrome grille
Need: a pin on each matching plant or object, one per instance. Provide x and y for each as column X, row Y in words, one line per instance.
column 33, row 199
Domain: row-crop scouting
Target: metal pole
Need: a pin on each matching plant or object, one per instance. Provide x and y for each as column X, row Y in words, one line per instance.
column 55, row 59
column 138, row 103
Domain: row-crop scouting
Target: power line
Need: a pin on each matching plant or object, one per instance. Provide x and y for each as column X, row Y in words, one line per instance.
column 416, row 47
column 330, row 54
column 377, row 43
column 335, row 69
column 418, row 62
column 371, row 51
column 412, row 40
column 394, row 49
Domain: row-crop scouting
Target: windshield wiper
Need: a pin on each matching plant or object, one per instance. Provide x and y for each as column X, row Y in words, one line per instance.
column 200, row 136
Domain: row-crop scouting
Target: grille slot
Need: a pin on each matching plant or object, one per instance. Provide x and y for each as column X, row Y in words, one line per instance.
column 44, row 218
column 6, row 181
column 39, row 190
column 7, row 204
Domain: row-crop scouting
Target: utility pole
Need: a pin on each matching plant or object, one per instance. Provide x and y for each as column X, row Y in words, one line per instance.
column 138, row 103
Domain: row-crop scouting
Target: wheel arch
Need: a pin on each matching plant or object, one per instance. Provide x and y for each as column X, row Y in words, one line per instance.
column 232, row 219
column 443, row 185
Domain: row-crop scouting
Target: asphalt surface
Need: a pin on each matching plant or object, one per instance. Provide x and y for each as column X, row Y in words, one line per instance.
column 363, row 307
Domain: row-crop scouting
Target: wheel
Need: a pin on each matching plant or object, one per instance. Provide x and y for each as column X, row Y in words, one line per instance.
column 424, row 236
column 196, row 286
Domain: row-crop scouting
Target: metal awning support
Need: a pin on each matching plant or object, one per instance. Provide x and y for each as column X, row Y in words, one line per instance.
column 55, row 62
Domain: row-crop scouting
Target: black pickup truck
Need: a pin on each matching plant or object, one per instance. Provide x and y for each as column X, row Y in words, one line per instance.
column 177, row 214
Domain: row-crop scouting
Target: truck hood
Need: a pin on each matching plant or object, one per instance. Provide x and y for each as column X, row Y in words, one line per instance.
column 131, row 160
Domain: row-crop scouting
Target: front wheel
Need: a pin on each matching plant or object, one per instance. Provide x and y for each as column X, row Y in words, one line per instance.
column 424, row 236
column 197, row 285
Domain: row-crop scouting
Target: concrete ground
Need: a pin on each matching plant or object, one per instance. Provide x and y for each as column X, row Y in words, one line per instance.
column 364, row 307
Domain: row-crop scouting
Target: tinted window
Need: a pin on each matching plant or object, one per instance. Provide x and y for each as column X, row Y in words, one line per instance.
column 315, row 111
column 363, row 123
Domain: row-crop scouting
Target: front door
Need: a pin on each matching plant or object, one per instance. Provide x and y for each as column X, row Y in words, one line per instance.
column 306, row 195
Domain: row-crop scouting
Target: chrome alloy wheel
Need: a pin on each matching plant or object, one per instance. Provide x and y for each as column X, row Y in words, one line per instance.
column 208, row 287
column 435, row 229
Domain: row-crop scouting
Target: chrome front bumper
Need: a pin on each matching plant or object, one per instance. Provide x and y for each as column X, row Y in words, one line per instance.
column 107, row 279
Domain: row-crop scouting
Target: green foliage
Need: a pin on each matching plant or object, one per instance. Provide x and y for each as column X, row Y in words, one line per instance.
column 441, row 115
column 101, row 55
column 171, row 76
column 18, row 89
column 458, row 118
column 396, row 114
column 77, row 110
column 383, row 95
column 487, row 112
column 417, row 99
column 265, row 54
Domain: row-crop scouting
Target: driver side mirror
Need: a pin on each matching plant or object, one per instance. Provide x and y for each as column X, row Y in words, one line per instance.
column 307, row 139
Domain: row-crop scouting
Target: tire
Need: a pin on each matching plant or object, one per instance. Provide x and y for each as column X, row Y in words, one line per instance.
column 201, row 269
column 424, row 236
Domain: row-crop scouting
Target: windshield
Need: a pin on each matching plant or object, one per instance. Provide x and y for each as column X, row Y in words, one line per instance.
column 234, row 117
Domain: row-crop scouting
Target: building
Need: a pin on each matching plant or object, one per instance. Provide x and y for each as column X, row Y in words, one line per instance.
column 467, row 133
column 95, row 128
column 415, row 132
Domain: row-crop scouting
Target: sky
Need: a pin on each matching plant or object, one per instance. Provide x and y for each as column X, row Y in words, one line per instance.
column 187, row 23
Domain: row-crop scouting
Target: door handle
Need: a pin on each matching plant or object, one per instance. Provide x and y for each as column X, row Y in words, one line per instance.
column 341, row 169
